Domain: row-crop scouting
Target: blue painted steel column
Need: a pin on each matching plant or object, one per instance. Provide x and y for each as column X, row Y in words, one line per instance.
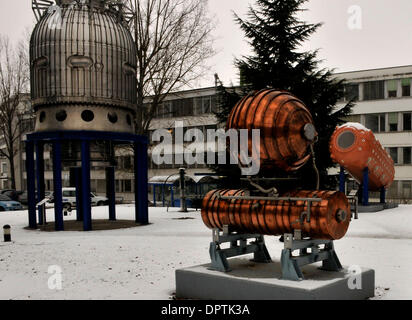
column 172, row 196
column 57, row 184
column 86, row 202
column 141, row 180
column 342, row 180
column 40, row 180
column 154, row 195
column 79, row 199
column 365, row 185
column 163, row 195
column 111, row 192
column 31, row 184
column 383, row 195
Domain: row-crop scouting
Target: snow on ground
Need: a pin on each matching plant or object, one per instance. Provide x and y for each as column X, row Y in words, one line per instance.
column 139, row 263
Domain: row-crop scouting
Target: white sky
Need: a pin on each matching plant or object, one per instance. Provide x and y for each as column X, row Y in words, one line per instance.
column 384, row 40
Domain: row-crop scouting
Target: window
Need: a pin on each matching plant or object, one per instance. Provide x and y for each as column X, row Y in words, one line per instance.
column 393, row 121
column 393, row 152
column 127, row 185
column 392, row 87
column 352, row 92
column 375, row 122
column 197, row 106
column 407, row 121
column 407, row 155
column 206, row 104
column 406, row 87
column 407, row 189
column 373, row 90
column 4, row 167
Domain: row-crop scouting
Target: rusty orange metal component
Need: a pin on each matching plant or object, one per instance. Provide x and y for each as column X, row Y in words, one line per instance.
column 355, row 147
column 329, row 218
column 286, row 127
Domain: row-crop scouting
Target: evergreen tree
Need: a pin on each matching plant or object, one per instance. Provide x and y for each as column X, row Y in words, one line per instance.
column 276, row 35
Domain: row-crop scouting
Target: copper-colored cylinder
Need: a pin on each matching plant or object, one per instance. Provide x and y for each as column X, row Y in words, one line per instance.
column 329, row 218
column 355, row 148
column 285, row 124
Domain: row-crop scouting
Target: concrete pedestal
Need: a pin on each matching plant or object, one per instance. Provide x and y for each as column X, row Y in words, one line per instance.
column 259, row 281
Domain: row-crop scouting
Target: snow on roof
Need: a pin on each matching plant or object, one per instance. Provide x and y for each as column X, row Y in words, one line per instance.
column 175, row 177
column 355, row 125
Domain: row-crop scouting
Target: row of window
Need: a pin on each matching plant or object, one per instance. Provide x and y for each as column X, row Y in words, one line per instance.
column 186, row 107
column 96, row 186
column 401, row 155
column 373, row 90
column 389, row 122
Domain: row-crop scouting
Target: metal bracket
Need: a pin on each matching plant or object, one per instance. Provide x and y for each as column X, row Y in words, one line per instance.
column 238, row 247
column 291, row 265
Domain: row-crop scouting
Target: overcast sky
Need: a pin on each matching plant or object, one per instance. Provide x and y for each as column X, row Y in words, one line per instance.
column 383, row 39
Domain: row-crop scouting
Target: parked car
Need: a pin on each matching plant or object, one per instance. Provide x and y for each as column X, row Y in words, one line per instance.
column 69, row 198
column 7, row 204
column 23, row 197
column 12, row 194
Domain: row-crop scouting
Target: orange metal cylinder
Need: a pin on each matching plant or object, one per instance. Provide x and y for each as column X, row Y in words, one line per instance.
column 329, row 218
column 285, row 124
column 355, row 147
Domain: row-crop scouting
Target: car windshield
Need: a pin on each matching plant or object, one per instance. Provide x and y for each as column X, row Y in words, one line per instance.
column 4, row 198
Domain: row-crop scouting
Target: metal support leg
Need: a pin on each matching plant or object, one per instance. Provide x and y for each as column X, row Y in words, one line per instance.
column 57, row 183
column 332, row 263
column 154, row 195
column 111, row 192
column 31, row 189
column 141, row 180
column 383, row 195
column 238, row 247
column 86, row 205
column 365, row 184
column 79, row 199
column 291, row 265
column 40, row 181
column 342, row 180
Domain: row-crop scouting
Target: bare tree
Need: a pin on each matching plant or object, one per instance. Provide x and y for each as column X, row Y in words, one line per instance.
column 14, row 74
column 173, row 39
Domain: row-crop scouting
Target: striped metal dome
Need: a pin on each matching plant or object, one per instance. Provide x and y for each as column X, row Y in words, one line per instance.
column 83, row 68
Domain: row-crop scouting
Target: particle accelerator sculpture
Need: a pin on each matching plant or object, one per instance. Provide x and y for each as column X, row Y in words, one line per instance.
column 308, row 220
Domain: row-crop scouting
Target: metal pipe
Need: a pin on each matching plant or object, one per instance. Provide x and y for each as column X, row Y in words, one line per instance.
column 268, row 198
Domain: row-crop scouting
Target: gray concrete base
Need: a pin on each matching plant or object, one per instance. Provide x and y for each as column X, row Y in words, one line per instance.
column 376, row 207
column 259, row 281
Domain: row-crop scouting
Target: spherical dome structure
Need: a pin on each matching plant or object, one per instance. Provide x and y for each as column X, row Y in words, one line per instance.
column 83, row 69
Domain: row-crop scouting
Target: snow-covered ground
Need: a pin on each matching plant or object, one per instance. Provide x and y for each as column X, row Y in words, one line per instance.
column 140, row 263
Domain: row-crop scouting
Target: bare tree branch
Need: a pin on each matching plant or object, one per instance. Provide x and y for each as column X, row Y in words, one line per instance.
column 14, row 75
column 173, row 40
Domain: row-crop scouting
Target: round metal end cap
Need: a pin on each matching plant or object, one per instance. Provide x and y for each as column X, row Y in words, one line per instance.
column 309, row 132
column 341, row 215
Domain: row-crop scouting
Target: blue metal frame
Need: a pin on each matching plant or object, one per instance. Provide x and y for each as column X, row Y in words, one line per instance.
column 342, row 180
column 57, row 183
column 365, row 186
column 40, row 181
column 56, row 138
column 31, row 188
column 111, row 192
column 79, row 197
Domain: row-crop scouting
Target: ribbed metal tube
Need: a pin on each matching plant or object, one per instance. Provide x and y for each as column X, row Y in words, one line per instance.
column 285, row 124
column 329, row 218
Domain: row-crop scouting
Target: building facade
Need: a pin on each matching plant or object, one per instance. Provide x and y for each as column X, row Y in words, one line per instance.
column 383, row 104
